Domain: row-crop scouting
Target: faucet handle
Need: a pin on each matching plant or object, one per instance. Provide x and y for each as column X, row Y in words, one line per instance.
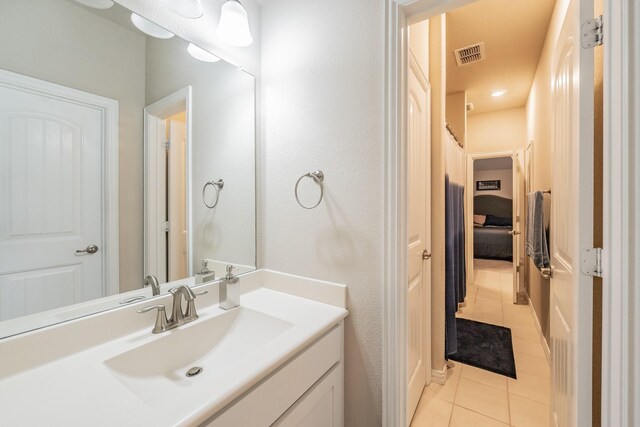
column 161, row 318
column 230, row 269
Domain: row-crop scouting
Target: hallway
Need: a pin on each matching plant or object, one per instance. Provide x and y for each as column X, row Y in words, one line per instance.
column 479, row 398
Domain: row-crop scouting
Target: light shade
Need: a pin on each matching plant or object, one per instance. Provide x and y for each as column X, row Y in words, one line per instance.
column 186, row 8
column 200, row 54
column 149, row 28
column 498, row 93
column 97, row 4
column 234, row 24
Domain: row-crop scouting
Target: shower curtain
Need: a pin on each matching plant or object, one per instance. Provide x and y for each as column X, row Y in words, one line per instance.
column 455, row 274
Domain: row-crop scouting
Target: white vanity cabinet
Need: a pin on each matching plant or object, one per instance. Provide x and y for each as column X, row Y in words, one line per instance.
column 307, row 390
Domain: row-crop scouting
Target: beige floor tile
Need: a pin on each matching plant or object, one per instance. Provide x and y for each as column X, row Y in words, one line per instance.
column 490, row 294
column 483, row 399
column 462, row 417
column 491, row 318
column 484, row 377
column 531, row 346
column 531, row 387
column 446, row 391
column 526, row 332
column 538, row 366
column 528, row 413
column 432, row 412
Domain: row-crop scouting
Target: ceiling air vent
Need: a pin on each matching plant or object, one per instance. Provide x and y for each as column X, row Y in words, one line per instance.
column 470, row 54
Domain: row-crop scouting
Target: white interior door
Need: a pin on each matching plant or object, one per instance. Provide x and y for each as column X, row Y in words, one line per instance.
column 516, row 220
column 572, row 222
column 419, row 238
column 51, row 196
column 177, row 200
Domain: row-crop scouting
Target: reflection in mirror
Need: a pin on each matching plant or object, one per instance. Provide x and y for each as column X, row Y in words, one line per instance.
column 122, row 155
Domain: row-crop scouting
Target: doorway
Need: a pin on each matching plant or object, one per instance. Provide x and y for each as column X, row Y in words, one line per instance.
column 564, row 407
column 167, row 187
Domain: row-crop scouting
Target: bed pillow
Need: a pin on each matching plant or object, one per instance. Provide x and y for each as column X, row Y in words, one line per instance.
column 479, row 219
column 497, row 221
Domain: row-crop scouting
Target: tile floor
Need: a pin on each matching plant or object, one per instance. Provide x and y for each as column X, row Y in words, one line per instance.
column 478, row 398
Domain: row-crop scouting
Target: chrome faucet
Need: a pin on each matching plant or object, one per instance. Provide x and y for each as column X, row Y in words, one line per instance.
column 152, row 281
column 229, row 294
column 178, row 316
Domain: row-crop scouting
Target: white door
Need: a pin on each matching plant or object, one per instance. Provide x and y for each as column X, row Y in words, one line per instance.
column 177, row 200
column 51, row 205
column 571, row 222
column 516, row 202
column 419, row 238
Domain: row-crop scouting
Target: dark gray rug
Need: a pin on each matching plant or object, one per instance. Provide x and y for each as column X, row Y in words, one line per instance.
column 485, row 346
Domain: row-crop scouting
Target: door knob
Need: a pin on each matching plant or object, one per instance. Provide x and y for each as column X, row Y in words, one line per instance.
column 426, row 254
column 91, row 249
column 514, row 232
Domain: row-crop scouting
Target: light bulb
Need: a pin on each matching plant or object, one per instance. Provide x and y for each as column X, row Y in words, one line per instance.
column 234, row 24
column 201, row 54
column 498, row 93
column 191, row 9
column 149, row 28
column 97, row 4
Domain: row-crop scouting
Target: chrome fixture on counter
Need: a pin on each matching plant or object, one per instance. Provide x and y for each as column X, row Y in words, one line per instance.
column 229, row 294
column 178, row 316
column 152, row 281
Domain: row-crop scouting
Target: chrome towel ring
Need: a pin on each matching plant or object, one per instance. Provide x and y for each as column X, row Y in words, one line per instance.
column 318, row 177
column 217, row 185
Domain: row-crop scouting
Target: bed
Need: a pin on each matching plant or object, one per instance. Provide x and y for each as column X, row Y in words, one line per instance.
column 493, row 241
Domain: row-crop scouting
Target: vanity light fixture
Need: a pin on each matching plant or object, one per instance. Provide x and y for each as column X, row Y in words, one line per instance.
column 96, row 4
column 498, row 93
column 149, row 28
column 234, row 24
column 191, row 9
column 200, row 54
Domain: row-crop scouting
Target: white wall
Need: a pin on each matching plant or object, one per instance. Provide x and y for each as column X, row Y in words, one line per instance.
column 323, row 103
column 506, row 182
column 503, row 130
column 73, row 47
column 223, row 147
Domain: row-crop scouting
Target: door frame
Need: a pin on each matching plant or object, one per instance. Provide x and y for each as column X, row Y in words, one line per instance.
column 621, row 192
column 154, row 114
column 471, row 158
column 108, row 108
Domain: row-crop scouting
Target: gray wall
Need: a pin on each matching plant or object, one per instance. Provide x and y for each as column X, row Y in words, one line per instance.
column 323, row 108
column 106, row 60
column 223, row 146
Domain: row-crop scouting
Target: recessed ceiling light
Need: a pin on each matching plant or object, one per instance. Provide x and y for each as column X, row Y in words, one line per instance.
column 97, row 4
column 149, row 28
column 201, row 54
column 498, row 93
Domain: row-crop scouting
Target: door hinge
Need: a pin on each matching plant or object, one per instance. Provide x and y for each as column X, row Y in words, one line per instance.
column 591, row 32
column 167, row 144
column 165, row 226
column 592, row 262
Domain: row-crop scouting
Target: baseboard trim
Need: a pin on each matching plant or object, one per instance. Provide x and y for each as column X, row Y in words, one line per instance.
column 439, row 376
column 543, row 340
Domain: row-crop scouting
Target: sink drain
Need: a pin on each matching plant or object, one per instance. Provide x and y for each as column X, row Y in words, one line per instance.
column 193, row 371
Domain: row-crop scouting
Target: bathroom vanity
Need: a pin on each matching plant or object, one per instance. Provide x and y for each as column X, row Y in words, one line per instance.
column 276, row 359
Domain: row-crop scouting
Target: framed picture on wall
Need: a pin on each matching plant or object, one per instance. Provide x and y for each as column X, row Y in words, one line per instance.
column 493, row 184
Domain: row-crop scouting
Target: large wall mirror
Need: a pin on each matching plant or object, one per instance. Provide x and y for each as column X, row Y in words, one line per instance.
column 124, row 152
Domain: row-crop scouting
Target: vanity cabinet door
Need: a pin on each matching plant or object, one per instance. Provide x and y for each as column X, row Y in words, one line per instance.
column 320, row 406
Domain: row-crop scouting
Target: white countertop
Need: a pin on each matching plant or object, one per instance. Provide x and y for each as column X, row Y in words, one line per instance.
column 58, row 375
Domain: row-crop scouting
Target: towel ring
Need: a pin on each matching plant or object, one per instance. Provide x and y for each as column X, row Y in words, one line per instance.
column 318, row 177
column 217, row 185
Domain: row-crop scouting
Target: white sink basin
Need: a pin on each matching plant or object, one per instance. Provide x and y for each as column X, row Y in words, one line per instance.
column 156, row 371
